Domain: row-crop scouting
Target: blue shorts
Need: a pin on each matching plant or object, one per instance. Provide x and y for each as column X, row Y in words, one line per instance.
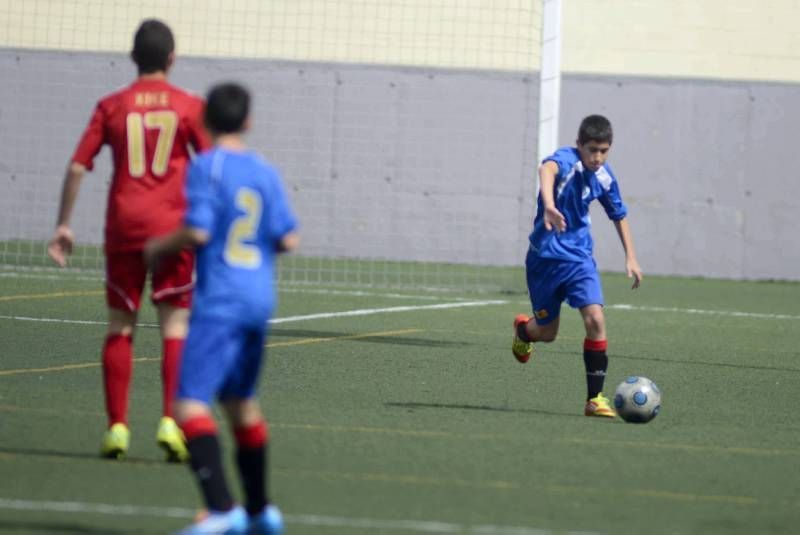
column 550, row 282
column 220, row 359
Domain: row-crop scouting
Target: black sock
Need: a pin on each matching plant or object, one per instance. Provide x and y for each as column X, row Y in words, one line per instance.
column 596, row 362
column 522, row 333
column 252, row 463
column 206, row 463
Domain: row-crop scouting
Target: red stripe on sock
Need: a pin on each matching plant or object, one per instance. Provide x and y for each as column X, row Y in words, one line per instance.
column 595, row 345
column 253, row 436
column 117, row 371
column 198, row 427
column 170, row 370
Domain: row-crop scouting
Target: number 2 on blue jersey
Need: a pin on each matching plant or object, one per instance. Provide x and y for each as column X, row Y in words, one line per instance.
column 244, row 229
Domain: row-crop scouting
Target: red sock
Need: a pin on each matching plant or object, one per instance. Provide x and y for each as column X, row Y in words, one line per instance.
column 251, row 459
column 117, row 371
column 170, row 369
column 198, row 426
column 252, row 437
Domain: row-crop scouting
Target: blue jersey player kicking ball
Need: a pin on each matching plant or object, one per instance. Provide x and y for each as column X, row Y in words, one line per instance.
column 560, row 266
column 238, row 219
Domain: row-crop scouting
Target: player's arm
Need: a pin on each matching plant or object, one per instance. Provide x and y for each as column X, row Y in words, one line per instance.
column 631, row 263
column 198, row 221
column 185, row 237
column 289, row 242
column 63, row 239
column 60, row 245
column 547, row 179
column 282, row 223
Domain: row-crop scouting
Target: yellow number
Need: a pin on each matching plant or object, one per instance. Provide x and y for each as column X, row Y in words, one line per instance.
column 135, row 132
column 244, row 228
column 166, row 121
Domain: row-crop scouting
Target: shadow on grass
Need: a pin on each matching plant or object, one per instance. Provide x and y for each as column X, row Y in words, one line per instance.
column 464, row 406
column 712, row 364
column 399, row 340
column 691, row 362
column 41, row 527
column 86, row 456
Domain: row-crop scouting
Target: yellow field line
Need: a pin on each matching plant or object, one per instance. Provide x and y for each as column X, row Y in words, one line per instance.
column 399, row 478
column 305, row 341
column 684, row 447
column 686, row 497
column 25, row 297
column 66, row 367
column 405, row 479
column 580, row 441
column 56, row 410
column 447, row 434
column 375, row 430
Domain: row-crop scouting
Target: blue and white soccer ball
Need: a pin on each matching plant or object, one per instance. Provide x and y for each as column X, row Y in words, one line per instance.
column 637, row 400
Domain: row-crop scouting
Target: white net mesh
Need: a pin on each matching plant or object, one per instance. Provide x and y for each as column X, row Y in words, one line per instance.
column 405, row 130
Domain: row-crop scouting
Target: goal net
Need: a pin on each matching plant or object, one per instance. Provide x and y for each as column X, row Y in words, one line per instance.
column 405, row 130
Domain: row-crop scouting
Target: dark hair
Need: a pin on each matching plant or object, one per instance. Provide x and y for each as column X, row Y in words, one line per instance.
column 595, row 128
column 227, row 107
column 152, row 45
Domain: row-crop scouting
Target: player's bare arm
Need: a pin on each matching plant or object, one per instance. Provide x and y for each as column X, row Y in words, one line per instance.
column 631, row 263
column 547, row 178
column 183, row 238
column 60, row 245
column 289, row 242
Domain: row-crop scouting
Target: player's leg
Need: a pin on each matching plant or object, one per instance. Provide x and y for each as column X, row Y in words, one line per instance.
column 251, row 433
column 197, row 421
column 585, row 293
column 172, row 286
column 174, row 323
column 208, row 357
column 174, row 327
column 595, row 361
column 546, row 296
column 125, row 275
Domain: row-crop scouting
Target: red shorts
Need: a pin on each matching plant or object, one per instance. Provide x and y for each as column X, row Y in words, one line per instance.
column 126, row 273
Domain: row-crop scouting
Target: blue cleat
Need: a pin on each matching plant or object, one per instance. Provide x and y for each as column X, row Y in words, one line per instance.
column 267, row 522
column 233, row 522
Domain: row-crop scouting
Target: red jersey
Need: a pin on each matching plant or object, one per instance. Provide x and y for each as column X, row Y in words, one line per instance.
column 149, row 126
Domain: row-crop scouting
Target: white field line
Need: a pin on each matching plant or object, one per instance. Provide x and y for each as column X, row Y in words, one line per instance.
column 728, row 313
column 307, row 520
column 289, row 319
column 386, row 310
column 43, row 276
column 283, row 287
column 56, row 320
column 361, row 293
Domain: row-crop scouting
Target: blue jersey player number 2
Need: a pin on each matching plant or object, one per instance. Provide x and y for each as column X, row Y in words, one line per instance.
column 238, row 219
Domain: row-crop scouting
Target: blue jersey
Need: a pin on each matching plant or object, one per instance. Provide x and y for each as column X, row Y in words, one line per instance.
column 574, row 189
column 239, row 200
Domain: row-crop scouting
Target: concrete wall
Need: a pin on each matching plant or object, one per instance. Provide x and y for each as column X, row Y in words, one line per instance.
column 407, row 130
column 708, row 39
column 703, row 168
column 402, row 164
column 471, row 34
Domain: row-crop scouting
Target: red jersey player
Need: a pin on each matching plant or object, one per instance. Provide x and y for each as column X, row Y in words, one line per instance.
column 150, row 126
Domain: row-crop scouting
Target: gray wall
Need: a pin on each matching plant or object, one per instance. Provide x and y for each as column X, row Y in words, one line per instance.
column 418, row 164
column 706, row 169
column 403, row 164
